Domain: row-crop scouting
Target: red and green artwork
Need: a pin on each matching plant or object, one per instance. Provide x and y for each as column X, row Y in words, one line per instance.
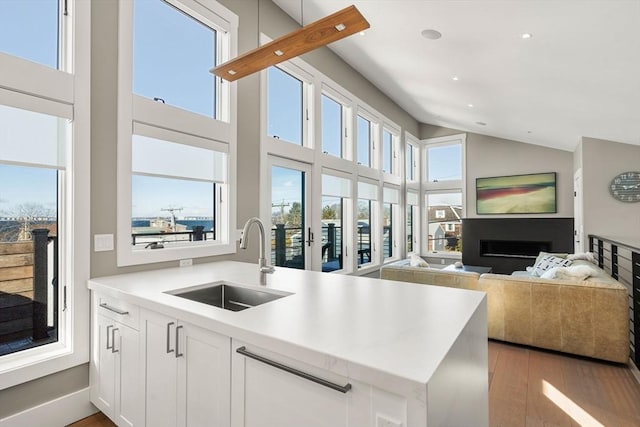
column 516, row 194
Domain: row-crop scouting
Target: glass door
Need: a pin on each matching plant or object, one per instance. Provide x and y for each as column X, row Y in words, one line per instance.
column 291, row 233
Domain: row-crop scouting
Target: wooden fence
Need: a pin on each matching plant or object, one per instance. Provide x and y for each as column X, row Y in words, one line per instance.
column 16, row 290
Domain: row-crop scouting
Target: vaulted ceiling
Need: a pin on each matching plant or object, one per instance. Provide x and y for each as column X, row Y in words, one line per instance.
column 577, row 75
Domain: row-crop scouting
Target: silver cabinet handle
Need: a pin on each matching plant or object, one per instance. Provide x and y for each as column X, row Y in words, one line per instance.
column 178, row 354
column 114, row 309
column 113, row 341
column 169, row 349
column 109, row 346
column 341, row 388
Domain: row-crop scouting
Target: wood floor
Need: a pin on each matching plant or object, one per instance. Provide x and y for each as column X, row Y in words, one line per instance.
column 534, row 388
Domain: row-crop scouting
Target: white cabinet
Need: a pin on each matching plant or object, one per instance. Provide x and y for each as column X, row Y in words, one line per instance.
column 272, row 390
column 187, row 373
column 116, row 382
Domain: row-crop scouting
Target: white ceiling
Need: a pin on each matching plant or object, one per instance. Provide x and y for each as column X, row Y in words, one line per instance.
column 579, row 75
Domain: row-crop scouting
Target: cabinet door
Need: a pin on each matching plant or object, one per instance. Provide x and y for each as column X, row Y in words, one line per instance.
column 161, row 369
column 104, row 387
column 204, row 388
column 267, row 396
column 129, row 377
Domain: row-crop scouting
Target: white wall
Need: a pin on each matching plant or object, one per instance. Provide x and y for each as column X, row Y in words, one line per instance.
column 603, row 215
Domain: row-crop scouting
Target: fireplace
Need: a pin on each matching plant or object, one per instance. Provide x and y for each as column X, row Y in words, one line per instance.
column 510, row 244
column 513, row 248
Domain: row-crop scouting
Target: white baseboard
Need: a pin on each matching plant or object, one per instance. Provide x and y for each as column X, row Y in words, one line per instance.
column 55, row 413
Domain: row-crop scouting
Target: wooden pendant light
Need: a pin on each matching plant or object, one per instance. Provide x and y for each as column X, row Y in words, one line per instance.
column 319, row 33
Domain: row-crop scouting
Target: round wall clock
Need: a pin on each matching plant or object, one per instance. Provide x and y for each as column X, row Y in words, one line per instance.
column 626, row 187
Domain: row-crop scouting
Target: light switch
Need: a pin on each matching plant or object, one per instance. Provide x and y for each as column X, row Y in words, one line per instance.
column 102, row 242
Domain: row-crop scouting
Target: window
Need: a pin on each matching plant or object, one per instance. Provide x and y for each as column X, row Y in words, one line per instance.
column 335, row 193
column 29, row 238
column 29, row 30
column 364, row 141
column 44, row 199
column 412, row 222
column 332, row 127
column 444, row 218
column 387, row 151
column 411, row 162
column 391, row 198
column 444, row 185
column 444, row 162
column 285, row 106
column 365, row 240
column 184, row 211
column 176, row 131
column 172, row 56
column 288, row 217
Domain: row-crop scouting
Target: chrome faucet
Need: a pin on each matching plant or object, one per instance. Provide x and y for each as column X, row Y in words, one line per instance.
column 263, row 267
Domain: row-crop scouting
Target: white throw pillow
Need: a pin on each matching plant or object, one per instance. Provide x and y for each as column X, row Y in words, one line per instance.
column 574, row 272
column 587, row 256
column 547, row 262
column 416, row 261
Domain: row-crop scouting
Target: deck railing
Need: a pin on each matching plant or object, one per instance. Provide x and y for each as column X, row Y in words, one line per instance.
column 28, row 291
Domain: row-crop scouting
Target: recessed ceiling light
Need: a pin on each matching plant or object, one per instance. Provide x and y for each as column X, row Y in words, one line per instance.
column 526, row 35
column 481, row 123
column 431, row 34
column 470, row 105
column 362, row 33
column 455, row 78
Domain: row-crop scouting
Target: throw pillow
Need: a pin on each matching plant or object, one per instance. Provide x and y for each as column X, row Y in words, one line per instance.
column 544, row 254
column 547, row 262
column 416, row 261
column 574, row 272
column 587, row 256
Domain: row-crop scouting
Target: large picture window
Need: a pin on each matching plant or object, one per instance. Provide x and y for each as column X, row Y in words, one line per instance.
column 44, row 196
column 176, row 131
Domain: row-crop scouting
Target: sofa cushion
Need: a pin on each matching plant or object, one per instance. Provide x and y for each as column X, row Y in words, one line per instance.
column 547, row 262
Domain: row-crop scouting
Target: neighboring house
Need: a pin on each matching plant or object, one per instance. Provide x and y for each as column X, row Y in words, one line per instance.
column 449, row 219
column 437, row 241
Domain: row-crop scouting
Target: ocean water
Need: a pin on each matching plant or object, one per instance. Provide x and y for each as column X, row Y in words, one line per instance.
column 190, row 223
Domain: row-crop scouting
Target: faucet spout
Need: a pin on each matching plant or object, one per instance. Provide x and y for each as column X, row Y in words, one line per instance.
column 263, row 266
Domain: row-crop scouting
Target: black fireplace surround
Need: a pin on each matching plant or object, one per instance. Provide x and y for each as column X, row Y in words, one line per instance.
column 509, row 244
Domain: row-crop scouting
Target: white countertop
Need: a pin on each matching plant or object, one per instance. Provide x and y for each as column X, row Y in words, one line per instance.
column 396, row 328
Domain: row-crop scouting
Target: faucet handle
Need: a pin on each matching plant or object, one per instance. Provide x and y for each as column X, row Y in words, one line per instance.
column 267, row 269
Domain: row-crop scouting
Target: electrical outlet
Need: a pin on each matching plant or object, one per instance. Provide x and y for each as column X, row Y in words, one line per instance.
column 186, row 262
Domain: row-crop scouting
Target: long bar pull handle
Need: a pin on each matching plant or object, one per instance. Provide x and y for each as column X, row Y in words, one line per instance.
column 115, row 310
column 169, row 349
column 178, row 354
column 310, row 239
column 109, row 346
column 113, row 341
column 341, row 388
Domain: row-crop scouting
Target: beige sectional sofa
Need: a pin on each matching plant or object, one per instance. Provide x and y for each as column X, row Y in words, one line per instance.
column 588, row 318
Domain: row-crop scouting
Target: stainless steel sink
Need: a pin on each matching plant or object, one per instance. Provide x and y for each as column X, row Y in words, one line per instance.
column 228, row 296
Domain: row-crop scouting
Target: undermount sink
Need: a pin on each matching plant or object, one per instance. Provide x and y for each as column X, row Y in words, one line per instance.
column 228, row 296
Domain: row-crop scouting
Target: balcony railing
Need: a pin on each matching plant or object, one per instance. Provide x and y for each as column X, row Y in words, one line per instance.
column 197, row 234
column 28, row 292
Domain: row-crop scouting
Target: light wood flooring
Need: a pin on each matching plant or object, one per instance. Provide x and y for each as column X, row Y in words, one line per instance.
column 535, row 388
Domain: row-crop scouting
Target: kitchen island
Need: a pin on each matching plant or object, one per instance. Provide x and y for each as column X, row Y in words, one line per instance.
column 399, row 354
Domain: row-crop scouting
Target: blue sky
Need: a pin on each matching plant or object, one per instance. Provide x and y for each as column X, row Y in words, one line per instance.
column 27, row 185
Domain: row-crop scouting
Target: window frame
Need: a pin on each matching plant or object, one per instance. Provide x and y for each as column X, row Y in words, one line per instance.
column 346, row 125
column 395, row 221
column 415, row 220
column 181, row 126
column 346, row 221
column 40, row 88
column 374, row 131
column 394, row 131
